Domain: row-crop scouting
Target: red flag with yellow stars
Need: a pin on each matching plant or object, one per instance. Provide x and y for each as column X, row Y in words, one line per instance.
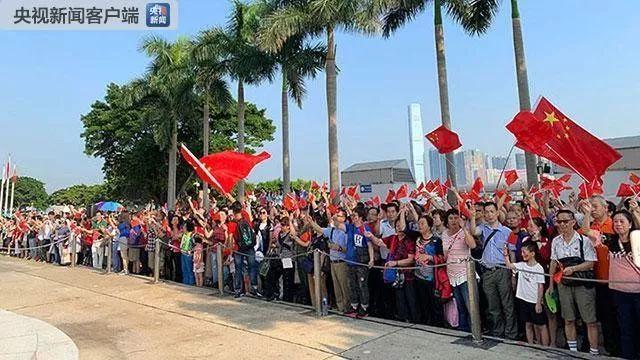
column 444, row 139
column 572, row 146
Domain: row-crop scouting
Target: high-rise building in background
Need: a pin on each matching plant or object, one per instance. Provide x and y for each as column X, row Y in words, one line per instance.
column 498, row 162
column 470, row 164
column 437, row 165
column 520, row 162
column 416, row 138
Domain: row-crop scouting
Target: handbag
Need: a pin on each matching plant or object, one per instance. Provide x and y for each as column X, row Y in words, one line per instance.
column 573, row 261
column 443, row 289
column 451, row 313
column 393, row 276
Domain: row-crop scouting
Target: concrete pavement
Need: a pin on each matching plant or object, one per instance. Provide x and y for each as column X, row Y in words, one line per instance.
column 121, row 317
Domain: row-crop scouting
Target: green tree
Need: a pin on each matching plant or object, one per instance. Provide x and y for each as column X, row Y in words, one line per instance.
column 473, row 15
column 316, row 18
column 297, row 61
column 241, row 58
column 29, row 192
column 135, row 166
column 168, row 87
column 79, row 195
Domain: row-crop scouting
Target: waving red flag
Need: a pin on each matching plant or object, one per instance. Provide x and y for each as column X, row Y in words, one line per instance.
column 402, row 192
column 534, row 213
column 289, row 202
column 413, row 194
column 625, row 190
column 447, row 184
column 391, row 195
column 510, row 177
column 564, row 178
column 314, row 185
column 352, row 191
column 464, row 211
column 343, row 190
column 420, row 187
column 201, row 170
column 580, row 150
column 589, row 189
column 478, row 186
column 376, row 201
column 444, row 139
column 430, row 186
column 229, row 167
column 531, row 134
column 634, row 178
column 302, row 203
column 332, row 195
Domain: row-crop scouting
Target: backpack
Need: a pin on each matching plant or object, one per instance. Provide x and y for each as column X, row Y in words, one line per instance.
column 246, row 236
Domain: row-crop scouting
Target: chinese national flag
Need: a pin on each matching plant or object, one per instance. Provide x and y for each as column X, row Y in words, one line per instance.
column 391, row 195
column 564, row 178
column 289, row 202
column 413, row 194
column 634, row 178
column 531, row 134
column 356, row 197
column 444, row 139
column 229, row 167
column 510, row 176
column 429, row 187
column 314, row 185
column 447, row 184
column 573, row 147
column 587, row 190
column 352, row 191
column 534, row 213
column 312, row 198
column 376, row 201
column 402, row 192
column 332, row 195
column 302, row 203
column 464, row 211
column 420, row 187
column 625, row 190
column 343, row 190
column 477, row 186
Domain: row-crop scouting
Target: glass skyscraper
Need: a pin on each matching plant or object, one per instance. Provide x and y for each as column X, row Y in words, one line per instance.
column 416, row 138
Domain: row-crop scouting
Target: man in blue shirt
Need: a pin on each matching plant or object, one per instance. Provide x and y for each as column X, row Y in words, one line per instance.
column 337, row 240
column 496, row 281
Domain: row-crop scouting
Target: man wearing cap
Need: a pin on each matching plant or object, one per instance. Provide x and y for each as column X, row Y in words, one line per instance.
column 496, row 279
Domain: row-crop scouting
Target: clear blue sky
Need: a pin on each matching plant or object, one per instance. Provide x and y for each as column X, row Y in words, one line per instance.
column 581, row 54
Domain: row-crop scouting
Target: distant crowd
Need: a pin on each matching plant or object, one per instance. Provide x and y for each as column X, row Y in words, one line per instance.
column 402, row 260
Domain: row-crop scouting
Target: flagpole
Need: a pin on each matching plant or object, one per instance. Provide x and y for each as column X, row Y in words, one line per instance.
column 13, row 189
column 505, row 165
column 6, row 195
column 2, row 193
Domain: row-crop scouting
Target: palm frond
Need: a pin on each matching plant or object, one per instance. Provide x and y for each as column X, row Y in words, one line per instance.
column 475, row 16
column 400, row 13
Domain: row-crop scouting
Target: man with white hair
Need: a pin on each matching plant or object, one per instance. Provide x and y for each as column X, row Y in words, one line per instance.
column 599, row 226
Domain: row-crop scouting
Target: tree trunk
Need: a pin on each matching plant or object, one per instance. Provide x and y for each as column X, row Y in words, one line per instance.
column 205, row 152
column 330, row 73
column 523, row 85
column 171, row 186
column 286, row 165
column 443, row 88
column 241, row 131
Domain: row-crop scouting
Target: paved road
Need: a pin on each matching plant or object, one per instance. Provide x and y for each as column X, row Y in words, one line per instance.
column 122, row 317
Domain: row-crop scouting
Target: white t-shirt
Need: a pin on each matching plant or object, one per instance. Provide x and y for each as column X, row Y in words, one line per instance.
column 528, row 283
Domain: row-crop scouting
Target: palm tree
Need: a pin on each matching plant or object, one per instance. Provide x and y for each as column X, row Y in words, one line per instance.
column 320, row 18
column 169, row 86
column 296, row 61
column 211, row 85
column 240, row 57
column 473, row 15
column 523, row 84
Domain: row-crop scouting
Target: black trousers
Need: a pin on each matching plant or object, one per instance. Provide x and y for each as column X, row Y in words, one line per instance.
column 430, row 307
column 607, row 314
column 173, row 266
column 273, row 279
column 406, row 303
column 381, row 295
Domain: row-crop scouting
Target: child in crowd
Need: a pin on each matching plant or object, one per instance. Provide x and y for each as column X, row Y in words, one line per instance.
column 529, row 292
column 198, row 260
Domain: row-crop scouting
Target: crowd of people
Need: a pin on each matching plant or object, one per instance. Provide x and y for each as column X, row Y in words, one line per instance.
column 537, row 258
